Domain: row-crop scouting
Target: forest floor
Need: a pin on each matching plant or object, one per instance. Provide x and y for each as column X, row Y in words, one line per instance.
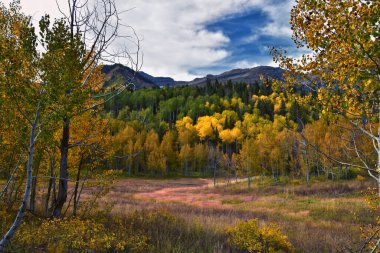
column 321, row 217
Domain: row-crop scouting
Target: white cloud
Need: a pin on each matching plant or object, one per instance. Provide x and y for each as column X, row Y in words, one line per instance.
column 250, row 39
column 245, row 64
column 249, row 64
column 278, row 26
column 279, row 16
column 174, row 35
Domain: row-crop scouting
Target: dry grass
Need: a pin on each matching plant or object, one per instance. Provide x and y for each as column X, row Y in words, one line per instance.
column 322, row 217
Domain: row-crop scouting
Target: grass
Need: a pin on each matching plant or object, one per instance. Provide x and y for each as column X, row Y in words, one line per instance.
column 232, row 201
column 324, row 216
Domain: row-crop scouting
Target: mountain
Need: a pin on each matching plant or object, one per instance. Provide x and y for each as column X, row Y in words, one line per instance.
column 160, row 81
column 118, row 73
column 241, row 75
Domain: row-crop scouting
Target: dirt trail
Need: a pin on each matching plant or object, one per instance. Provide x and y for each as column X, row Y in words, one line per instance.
column 191, row 194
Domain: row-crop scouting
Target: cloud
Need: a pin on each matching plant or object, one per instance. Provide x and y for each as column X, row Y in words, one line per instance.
column 175, row 38
column 278, row 24
column 250, row 38
column 174, row 34
column 280, row 18
column 245, row 64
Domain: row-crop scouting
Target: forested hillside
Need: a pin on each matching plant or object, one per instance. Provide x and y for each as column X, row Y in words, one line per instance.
column 223, row 130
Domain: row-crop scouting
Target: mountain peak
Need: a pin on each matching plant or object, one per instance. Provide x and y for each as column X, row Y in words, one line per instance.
column 249, row 75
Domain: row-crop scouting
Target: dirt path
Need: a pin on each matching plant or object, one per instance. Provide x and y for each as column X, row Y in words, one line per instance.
column 190, row 194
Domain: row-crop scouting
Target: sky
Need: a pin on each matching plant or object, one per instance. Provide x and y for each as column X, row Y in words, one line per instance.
column 185, row 39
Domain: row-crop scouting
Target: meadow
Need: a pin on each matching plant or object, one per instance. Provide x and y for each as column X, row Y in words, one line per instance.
column 322, row 217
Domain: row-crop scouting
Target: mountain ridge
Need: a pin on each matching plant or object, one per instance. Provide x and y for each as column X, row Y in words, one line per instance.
column 119, row 73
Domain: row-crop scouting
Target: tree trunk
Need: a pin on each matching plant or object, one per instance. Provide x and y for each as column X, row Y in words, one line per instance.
column 306, row 157
column 378, row 158
column 29, row 168
column 5, row 189
column 76, row 199
column 50, row 186
column 32, row 203
column 186, row 168
column 63, row 173
column 167, row 168
column 214, row 168
column 137, row 165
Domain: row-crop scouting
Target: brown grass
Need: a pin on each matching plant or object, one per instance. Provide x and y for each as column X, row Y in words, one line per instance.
column 322, row 217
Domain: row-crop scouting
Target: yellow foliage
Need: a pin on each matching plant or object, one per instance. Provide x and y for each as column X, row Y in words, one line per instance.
column 230, row 135
column 360, row 178
column 68, row 235
column 186, row 130
column 248, row 236
column 236, row 133
column 226, row 136
column 184, row 123
column 208, row 127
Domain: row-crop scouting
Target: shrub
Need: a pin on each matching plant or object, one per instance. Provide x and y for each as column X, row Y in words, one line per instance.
column 76, row 235
column 248, row 236
column 360, row 178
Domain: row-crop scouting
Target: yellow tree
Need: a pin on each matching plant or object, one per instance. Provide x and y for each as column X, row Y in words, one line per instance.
column 229, row 138
column 185, row 155
column 200, row 157
column 168, row 148
column 208, row 127
column 71, row 66
column 314, row 136
column 186, row 131
column 343, row 67
column 21, row 96
column 156, row 161
column 51, row 87
column 249, row 159
column 122, row 146
column 265, row 140
column 139, row 150
column 89, row 136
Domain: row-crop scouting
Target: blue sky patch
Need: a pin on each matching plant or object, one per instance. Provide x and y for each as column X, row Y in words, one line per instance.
column 249, row 44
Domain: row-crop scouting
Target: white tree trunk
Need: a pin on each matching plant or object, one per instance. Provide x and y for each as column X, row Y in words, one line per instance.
column 378, row 159
column 20, row 214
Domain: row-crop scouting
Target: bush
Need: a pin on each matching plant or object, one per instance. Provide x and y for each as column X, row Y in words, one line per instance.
column 142, row 231
column 76, row 235
column 248, row 236
column 360, row 178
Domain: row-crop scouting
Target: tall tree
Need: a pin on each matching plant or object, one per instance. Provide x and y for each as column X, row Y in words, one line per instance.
column 44, row 89
column 169, row 150
column 75, row 46
column 21, row 96
column 343, row 68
